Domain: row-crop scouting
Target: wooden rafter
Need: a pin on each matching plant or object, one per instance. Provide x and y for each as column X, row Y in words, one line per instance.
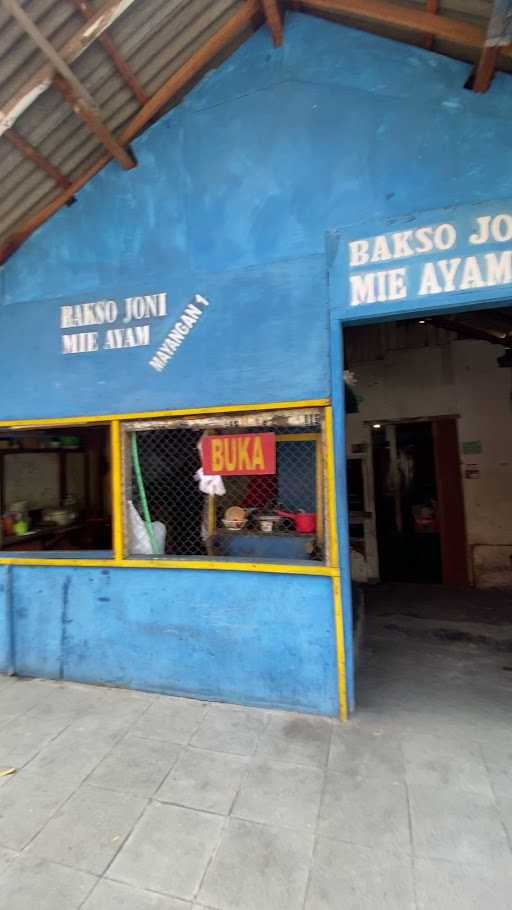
column 71, row 88
column 404, row 17
column 121, row 65
column 190, row 70
column 274, row 20
column 485, row 69
column 35, row 156
column 72, row 49
column 431, row 6
column 93, row 122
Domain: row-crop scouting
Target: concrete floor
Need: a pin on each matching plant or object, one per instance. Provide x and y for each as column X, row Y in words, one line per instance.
column 130, row 801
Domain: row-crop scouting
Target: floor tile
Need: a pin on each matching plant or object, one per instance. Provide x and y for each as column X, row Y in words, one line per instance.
column 505, row 813
column 110, row 895
column 6, row 857
column 168, row 851
column 362, row 753
column 35, row 883
column 258, row 868
column 365, row 811
column 230, row 729
column 452, row 825
column 68, row 759
column 281, row 794
column 462, row 887
column 89, row 829
column 359, row 878
column 27, row 802
column 171, row 720
column 498, row 758
column 204, row 780
column 136, row 765
column 26, row 734
column 297, row 739
column 434, row 762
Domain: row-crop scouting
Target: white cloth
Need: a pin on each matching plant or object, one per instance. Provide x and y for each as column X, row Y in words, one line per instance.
column 213, row 485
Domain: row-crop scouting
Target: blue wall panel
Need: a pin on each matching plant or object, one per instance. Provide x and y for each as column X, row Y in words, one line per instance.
column 261, row 640
column 232, row 197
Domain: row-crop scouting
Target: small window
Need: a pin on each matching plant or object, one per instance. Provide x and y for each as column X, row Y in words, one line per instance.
column 55, row 492
column 247, row 487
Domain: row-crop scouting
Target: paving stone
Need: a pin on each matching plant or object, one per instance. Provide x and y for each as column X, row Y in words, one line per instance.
column 30, row 882
column 27, row 802
column 26, row 734
column 368, row 754
column 452, row 825
column 505, row 813
column 6, row 857
column 462, row 887
column 281, row 794
column 365, row 811
column 498, row 758
column 89, row 829
column 297, row 739
column 136, row 765
column 204, row 780
column 68, row 759
column 110, row 895
column 359, row 878
column 256, row 867
column 168, row 851
column 172, row 720
column 443, row 763
column 230, row 729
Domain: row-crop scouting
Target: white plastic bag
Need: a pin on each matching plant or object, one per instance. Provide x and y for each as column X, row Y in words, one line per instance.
column 139, row 542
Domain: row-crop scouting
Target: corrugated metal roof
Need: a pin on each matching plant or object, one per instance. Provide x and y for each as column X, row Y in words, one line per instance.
column 155, row 39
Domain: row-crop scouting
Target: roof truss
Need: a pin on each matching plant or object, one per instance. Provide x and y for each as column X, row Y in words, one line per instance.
column 426, row 22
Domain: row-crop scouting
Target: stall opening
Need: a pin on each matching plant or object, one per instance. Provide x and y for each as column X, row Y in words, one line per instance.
column 55, row 490
column 224, row 487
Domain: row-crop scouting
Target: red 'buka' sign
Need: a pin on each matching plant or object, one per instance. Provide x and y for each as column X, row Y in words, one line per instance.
column 246, row 453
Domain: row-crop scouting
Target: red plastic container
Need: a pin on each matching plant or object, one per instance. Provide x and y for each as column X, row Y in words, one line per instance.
column 305, row 522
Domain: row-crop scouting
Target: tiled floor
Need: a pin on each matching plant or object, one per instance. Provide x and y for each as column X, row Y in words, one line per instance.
column 129, row 801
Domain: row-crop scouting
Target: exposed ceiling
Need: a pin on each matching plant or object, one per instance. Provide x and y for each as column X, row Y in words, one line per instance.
column 79, row 79
column 373, row 341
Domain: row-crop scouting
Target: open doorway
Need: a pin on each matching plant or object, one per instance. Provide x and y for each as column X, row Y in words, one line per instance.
column 429, row 451
column 429, row 494
column 419, row 507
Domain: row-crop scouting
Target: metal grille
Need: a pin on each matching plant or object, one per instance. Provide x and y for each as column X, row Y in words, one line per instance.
column 280, row 515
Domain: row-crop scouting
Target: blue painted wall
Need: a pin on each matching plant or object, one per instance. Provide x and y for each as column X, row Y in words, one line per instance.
column 207, row 634
column 234, row 193
column 235, row 190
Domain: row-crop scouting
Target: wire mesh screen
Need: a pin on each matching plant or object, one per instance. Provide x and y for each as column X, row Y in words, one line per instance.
column 174, row 508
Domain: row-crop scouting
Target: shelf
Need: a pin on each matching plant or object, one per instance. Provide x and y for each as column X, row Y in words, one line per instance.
column 40, row 451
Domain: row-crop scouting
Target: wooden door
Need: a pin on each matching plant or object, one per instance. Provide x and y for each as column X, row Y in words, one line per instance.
column 452, row 523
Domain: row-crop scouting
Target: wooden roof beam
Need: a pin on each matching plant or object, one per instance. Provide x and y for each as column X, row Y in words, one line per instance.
column 485, row 69
column 28, row 151
column 71, row 88
column 417, row 20
column 499, row 35
column 121, row 65
column 274, row 20
column 432, row 6
column 71, row 50
column 90, row 116
column 190, row 70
